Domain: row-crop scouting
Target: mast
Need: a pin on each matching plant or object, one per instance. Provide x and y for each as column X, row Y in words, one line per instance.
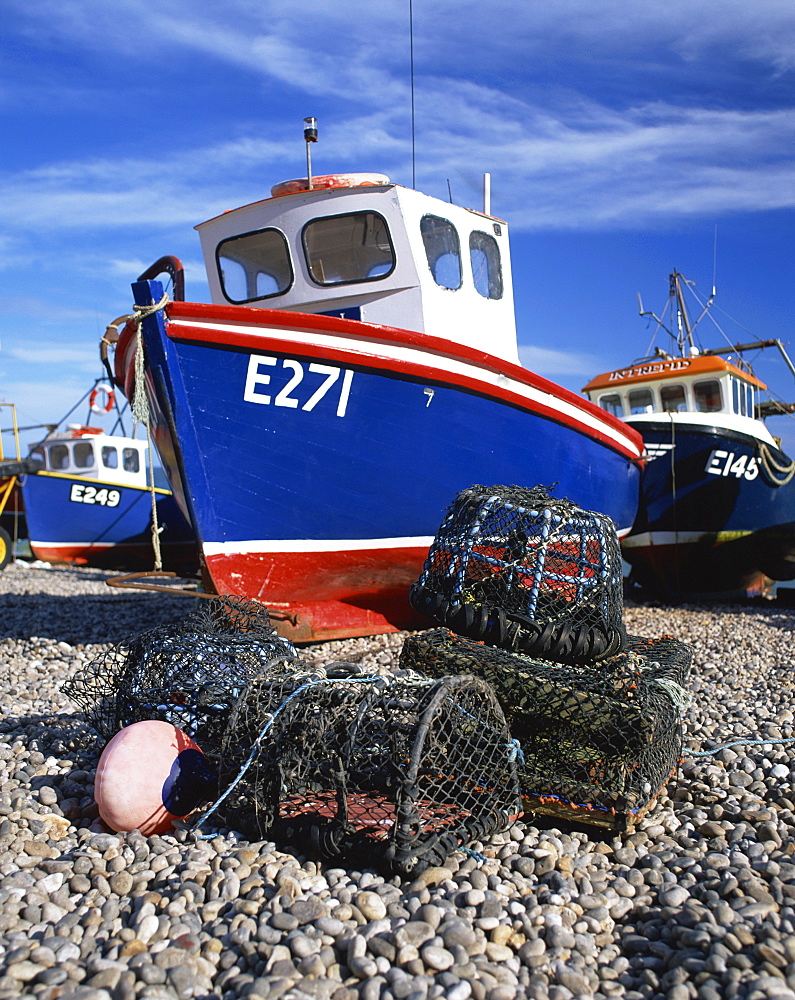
column 684, row 328
column 684, row 331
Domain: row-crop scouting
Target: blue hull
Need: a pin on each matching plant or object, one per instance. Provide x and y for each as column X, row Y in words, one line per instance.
column 317, row 480
column 95, row 523
column 717, row 516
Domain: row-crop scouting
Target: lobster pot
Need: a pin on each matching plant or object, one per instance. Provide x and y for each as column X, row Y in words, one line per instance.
column 395, row 772
column 529, row 573
column 189, row 674
column 598, row 744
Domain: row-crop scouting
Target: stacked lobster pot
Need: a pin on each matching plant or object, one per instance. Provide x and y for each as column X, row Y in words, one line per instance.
column 529, row 588
column 391, row 769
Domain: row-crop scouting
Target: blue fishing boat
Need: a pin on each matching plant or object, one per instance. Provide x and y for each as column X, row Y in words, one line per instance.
column 717, row 508
column 356, row 368
column 89, row 500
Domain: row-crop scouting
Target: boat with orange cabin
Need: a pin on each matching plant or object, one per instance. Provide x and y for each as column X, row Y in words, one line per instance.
column 717, row 508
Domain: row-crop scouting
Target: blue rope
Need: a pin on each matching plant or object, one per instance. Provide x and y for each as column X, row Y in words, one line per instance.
column 473, row 854
column 264, row 731
column 737, row 743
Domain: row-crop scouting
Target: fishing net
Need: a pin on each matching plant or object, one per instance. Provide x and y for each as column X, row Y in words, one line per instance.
column 598, row 743
column 395, row 770
column 189, row 674
column 519, row 569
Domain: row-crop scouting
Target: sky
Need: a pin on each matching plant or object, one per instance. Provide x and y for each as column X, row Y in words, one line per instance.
column 624, row 140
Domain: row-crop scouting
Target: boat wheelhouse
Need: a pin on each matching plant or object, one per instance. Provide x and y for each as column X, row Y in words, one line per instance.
column 356, row 368
column 717, row 509
column 90, row 453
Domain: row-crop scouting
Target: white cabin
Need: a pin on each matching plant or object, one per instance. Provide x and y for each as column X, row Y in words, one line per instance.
column 707, row 391
column 91, row 454
column 359, row 246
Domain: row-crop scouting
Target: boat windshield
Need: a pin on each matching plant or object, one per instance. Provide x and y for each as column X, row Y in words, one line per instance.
column 83, row 455
column 612, row 404
column 708, row 396
column 341, row 249
column 673, row 398
column 640, row 401
column 254, row 266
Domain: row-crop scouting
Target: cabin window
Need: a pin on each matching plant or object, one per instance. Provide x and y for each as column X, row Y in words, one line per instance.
column 739, row 397
column 443, row 250
column 59, row 457
column 254, row 266
column 707, row 395
column 110, row 457
column 130, row 459
column 743, row 398
column 673, row 398
column 640, row 401
column 38, row 454
column 342, row 249
column 612, row 404
column 84, row 455
column 484, row 256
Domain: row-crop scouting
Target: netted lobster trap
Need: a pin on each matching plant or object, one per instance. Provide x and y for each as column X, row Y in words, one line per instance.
column 189, row 674
column 598, row 743
column 395, row 770
column 519, row 569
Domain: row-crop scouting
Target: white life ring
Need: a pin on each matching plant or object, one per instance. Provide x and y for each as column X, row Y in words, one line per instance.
column 97, row 407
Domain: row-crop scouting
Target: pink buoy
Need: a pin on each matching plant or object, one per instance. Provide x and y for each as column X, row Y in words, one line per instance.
column 150, row 774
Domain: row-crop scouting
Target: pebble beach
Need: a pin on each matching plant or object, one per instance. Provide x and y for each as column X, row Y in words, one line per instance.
column 696, row 903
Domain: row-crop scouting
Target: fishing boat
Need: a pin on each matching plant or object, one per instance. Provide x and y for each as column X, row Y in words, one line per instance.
column 90, row 499
column 717, row 509
column 356, row 367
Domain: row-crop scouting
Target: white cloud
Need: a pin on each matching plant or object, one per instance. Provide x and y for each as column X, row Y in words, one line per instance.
column 548, row 362
column 577, row 166
column 42, row 353
column 356, row 44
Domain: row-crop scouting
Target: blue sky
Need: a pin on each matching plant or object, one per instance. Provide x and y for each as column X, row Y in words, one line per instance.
column 623, row 140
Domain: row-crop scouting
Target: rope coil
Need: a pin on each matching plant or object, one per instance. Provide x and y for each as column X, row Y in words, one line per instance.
column 140, row 403
column 777, row 473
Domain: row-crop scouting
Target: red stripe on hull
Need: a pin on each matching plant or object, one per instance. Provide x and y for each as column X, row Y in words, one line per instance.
column 352, row 334
column 332, row 595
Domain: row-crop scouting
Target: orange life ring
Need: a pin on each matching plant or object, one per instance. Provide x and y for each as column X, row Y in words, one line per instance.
column 96, row 407
column 325, row 181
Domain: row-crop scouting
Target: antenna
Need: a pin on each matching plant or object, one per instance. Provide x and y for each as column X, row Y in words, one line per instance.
column 310, row 134
column 715, row 262
column 411, row 73
column 487, row 194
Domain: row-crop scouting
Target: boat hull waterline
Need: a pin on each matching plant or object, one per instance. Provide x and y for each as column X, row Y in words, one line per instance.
column 315, row 456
